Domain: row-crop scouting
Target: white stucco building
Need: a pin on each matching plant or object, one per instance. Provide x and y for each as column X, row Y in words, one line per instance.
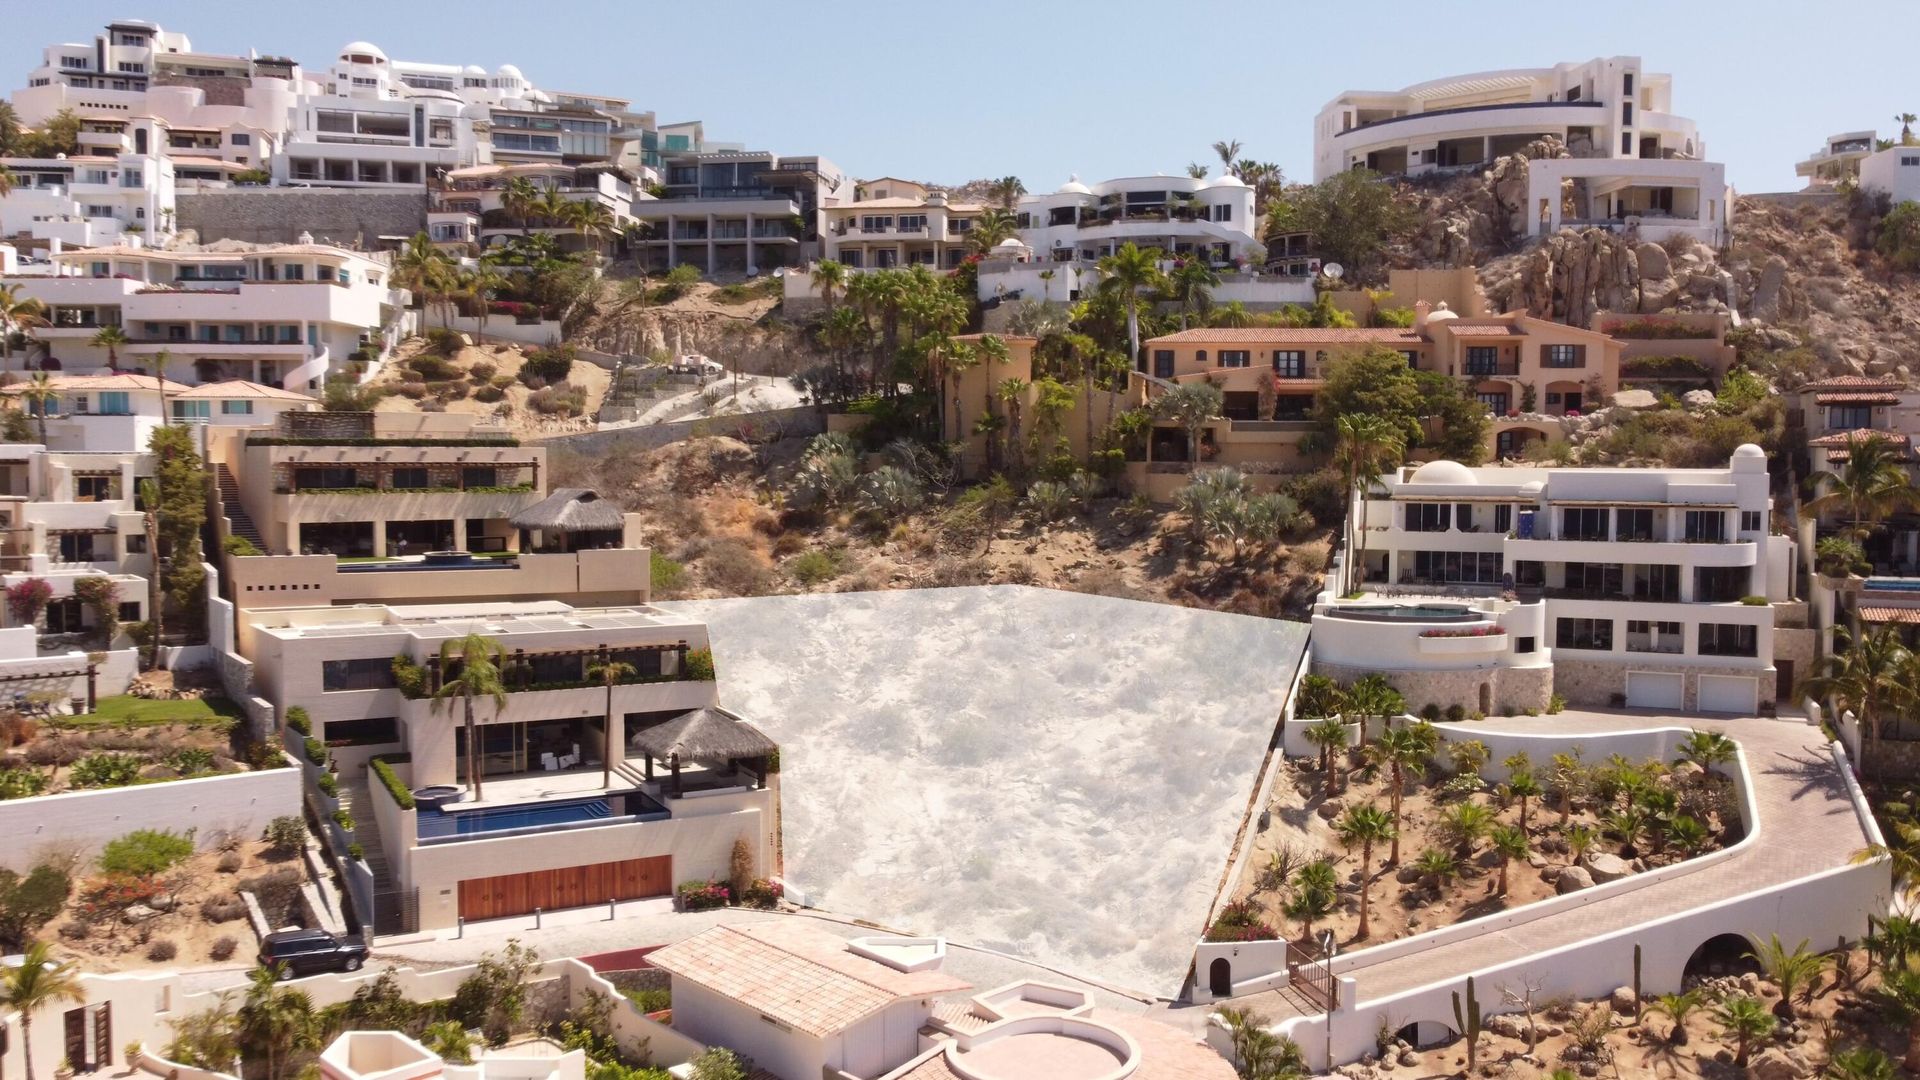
column 730, row 211
column 96, row 198
column 1838, row 159
column 1210, row 219
column 1650, row 588
column 1895, row 170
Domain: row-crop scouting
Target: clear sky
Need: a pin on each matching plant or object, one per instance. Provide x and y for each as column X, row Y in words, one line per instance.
column 948, row 92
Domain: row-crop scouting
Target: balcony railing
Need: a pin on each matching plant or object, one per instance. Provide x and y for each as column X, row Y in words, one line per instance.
column 1486, row 371
column 1475, row 108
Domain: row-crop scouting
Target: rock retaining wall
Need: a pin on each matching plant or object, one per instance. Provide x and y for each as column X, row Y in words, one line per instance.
column 278, row 215
column 1510, row 690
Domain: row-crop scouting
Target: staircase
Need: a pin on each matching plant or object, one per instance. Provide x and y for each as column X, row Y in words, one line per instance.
column 236, row 514
column 388, row 915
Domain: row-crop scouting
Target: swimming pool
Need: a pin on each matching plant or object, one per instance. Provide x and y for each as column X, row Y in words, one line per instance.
column 1893, row 584
column 494, row 821
column 1407, row 613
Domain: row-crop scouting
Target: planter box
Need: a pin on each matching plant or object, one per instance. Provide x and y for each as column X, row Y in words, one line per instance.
column 1487, row 644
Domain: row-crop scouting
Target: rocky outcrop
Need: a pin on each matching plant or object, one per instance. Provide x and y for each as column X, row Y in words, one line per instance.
column 1607, row 867
column 1572, row 879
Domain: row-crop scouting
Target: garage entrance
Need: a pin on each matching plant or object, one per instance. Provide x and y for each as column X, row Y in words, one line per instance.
column 1656, row 690
column 572, row 886
column 1730, row 694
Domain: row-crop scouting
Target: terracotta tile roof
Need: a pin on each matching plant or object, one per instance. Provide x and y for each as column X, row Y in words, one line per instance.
column 1483, row 327
column 78, row 383
column 242, row 388
column 800, row 975
column 1889, row 615
column 1856, row 382
column 1858, row 397
column 1848, row 438
column 1285, row 335
column 1166, row 1053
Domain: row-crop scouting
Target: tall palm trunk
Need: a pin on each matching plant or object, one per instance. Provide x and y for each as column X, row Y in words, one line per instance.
column 606, row 742
column 1366, row 890
column 154, row 606
column 26, row 1041
column 473, row 752
column 1393, row 856
column 1133, row 331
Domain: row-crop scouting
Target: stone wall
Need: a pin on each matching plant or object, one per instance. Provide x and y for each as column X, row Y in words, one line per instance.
column 220, row 89
column 347, row 218
column 798, row 422
column 1796, row 645
column 1510, row 690
column 1594, row 682
column 327, row 425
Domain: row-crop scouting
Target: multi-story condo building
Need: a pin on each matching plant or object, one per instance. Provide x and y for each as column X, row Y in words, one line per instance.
column 1184, row 217
column 74, row 514
column 1894, row 171
column 118, row 412
column 1634, row 162
column 94, row 199
column 738, row 211
column 286, row 314
column 908, row 229
column 1837, row 414
column 126, row 56
column 1837, row 160
column 469, row 207
column 1649, row 588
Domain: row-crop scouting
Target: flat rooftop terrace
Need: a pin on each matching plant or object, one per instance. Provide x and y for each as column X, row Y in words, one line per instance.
column 456, row 620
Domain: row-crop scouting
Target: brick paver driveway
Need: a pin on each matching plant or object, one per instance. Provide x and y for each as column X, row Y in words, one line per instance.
column 1807, row 824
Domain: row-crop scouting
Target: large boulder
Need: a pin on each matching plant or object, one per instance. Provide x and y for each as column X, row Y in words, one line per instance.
column 1606, row 867
column 1635, row 399
column 1766, row 303
column 1774, row 1063
column 1654, row 262
column 1572, row 879
column 1622, row 1000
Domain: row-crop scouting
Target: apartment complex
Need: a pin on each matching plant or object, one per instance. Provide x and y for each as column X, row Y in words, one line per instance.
column 1838, row 159
column 105, row 196
column 470, row 209
column 1649, row 588
column 69, row 515
column 922, row 228
column 801, row 1002
column 1894, row 171
column 730, row 211
column 286, row 314
column 1184, row 217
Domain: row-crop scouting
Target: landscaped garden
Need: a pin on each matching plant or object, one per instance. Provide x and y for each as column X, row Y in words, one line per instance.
column 1401, row 831
column 124, row 741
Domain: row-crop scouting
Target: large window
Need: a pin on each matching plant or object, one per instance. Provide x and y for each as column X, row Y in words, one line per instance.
column 1634, row 525
column 1564, row 356
column 373, row 674
column 1729, row 639
column 406, row 479
column 1601, row 580
column 1660, row 582
column 1482, row 360
column 1503, row 518
column 1457, row 567
column 1429, row 517
column 1290, row 363
column 1163, row 363
column 1654, row 637
column 1236, row 358
column 1585, row 523
column 373, row 731
column 1719, row 584
column 1595, row 634
column 1706, row 526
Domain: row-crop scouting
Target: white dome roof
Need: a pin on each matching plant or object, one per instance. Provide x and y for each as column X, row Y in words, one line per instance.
column 1225, row 180
column 1748, row 450
column 1011, row 243
column 1441, row 313
column 363, row 48
column 1532, row 487
column 539, row 95
column 1442, row 472
column 1073, row 186
column 508, row 71
column 474, row 69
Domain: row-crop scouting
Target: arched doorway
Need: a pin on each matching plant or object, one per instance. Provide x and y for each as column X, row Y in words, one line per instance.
column 1220, row 977
column 1720, row 955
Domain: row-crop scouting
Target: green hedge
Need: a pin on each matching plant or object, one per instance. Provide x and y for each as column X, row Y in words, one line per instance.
column 316, row 753
column 384, row 770
column 298, row 720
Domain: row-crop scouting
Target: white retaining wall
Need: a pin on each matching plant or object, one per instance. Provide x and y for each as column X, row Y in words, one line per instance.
column 80, row 822
column 503, row 328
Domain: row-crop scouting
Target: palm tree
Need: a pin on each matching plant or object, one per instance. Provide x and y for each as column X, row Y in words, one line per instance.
column 1437, row 863
column 610, row 673
column 1192, row 405
column 1523, row 785
column 1006, row 191
column 1906, row 120
column 830, row 277
column 111, row 337
column 989, row 229
column 40, row 394
column 1399, row 749
column 6, row 181
column 162, row 363
column 1228, row 149
column 1314, row 893
column 1900, row 993
column 18, row 315
column 150, row 500
column 1871, row 484
column 1465, row 824
column 1011, row 393
column 38, row 981
column 1510, row 844
column 1793, row 972
column 277, row 1019
column 1897, row 938
column 635, row 233
column 479, row 658
column 1677, row 1007
column 423, row 270
column 518, row 199
column 1127, row 271
column 1860, row 1063
column 1372, row 695
column 481, row 284
column 1368, row 445
column 1746, row 1020
column 1569, row 777
column 451, row 1040
column 592, row 220
column 1046, row 286
column 1861, row 673
column 553, row 208
column 1329, row 735
column 1707, row 749
column 1190, row 280
column 1364, row 825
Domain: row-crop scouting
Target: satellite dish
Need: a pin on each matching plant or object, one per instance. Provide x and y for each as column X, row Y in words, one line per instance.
column 1334, row 271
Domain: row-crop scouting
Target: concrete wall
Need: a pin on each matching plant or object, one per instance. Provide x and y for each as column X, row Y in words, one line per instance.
column 503, row 328
column 279, row 215
column 798, row 422
column 1510, row 690
column 80, row 822
column 613, row 576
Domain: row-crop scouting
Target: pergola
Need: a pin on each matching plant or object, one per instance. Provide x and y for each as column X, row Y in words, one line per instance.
column 706, row 736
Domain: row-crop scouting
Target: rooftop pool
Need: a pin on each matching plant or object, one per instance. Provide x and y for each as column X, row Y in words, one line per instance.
column 447, row 824
column 1893, row 584
column 1407, row 613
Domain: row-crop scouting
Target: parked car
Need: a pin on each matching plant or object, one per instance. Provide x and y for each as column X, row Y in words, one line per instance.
column 309, row 952
column 695, row 364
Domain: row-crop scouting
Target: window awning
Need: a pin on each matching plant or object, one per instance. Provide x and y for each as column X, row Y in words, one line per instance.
column 1629, row 504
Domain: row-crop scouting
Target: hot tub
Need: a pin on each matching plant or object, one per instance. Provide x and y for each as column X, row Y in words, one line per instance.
column 433, row 798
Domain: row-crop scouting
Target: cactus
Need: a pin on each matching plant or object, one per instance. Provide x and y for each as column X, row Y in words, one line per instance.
column 1468, row 1023
column 1636, row 984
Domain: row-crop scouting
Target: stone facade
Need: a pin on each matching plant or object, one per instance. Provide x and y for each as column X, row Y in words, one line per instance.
column 1595, row 682
column 1508, row 690
column 1796, row 646
column 327, row 425
column 267, row 215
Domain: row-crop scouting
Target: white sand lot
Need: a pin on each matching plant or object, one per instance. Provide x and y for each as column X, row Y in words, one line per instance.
column 1051, row 774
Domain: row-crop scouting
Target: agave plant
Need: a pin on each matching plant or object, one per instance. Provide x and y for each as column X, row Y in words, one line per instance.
column 1048, row 500
column 891, row 493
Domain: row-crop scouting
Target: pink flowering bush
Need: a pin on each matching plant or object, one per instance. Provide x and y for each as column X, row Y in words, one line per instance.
column 1241, row 921
column 701, row 895
column 1465, row 631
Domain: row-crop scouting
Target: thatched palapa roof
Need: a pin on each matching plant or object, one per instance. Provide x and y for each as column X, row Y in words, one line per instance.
column 571, row 510
column 705, row 737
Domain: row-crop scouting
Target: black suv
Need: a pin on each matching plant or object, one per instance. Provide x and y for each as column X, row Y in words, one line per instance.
column 308, row 952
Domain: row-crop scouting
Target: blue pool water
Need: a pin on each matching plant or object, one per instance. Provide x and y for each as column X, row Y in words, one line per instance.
column 1412, row 612
column 535, row 817
column 1884, row 584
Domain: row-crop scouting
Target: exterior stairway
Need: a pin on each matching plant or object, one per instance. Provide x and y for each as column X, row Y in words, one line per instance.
column 236, row 514
column 388, row 915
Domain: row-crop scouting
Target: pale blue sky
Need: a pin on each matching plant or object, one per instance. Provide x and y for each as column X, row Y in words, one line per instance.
column 949, row 92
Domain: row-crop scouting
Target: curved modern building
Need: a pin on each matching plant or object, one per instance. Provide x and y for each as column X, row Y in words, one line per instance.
column 1604, row 108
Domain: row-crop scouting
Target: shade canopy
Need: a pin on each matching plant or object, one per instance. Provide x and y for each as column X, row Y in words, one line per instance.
column 704, row 737
column 571, row 510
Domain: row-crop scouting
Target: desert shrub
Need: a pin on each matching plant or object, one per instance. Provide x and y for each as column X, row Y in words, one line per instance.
column 1456, row 713
column 1321, row 494
column 432, row 367
column 444, row 341
column 328, row 785
column 1047, row 500
column 222, row 948
column 21, row 783
column 299, row 720
column 230, row 863
column 286, row 834
column 1241, row 921
column 668, row 575
column 113, row 894
column 734, row 569
column 29, row 903
column 495, row 995
column 699, row 665
column 761, row 893
column 145, row 852
column 162, row 950
column 433, row 405
column 315, row 750
column 343, row 819
column 814, row 567
column 702, row 895
column 16, row 730
column 277, row 890
column 488, row 394
column 561, row 399
column 481, row 371
column 57, row 750
column 501, row 382
column 891, row 494
column 191, row 761
column 219, row 909
column 412, row 391
column 105, row 770
column 552, row 365
column 449, row 391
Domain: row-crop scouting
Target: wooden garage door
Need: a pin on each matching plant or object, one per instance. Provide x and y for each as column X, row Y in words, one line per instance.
column 573, row 886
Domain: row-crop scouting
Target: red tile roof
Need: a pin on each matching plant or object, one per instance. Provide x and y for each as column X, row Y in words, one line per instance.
column 1286, row 335
column 1848, row 438
column 1856, row 382
column 1889, row 615
column 1858, row 397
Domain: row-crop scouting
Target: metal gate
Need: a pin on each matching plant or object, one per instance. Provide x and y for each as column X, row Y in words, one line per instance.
column 1309, row 971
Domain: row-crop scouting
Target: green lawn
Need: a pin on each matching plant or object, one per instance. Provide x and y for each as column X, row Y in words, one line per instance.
column 141, row 712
